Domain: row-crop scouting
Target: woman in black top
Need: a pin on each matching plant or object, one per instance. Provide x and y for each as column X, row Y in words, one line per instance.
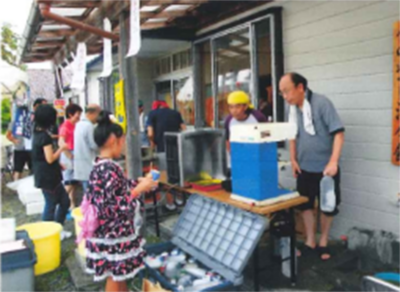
column 46, row 168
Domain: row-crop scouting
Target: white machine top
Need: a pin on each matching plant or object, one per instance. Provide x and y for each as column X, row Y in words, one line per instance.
column 263, row 132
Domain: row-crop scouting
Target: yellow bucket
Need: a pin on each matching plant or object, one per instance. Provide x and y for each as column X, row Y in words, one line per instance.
column 46, row 237
column 78, row 217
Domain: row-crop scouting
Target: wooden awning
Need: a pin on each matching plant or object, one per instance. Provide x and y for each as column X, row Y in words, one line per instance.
column 56, row 26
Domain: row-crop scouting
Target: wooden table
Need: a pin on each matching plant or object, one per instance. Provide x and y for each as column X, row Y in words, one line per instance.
column 225, row 197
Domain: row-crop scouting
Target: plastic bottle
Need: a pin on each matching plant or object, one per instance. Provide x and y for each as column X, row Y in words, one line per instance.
column 285, row 254
column 328, row 197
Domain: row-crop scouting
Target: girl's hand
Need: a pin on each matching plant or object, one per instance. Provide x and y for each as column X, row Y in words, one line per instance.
column 146, row 184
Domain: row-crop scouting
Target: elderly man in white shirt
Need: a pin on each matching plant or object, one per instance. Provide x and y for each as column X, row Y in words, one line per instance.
column 85, row 147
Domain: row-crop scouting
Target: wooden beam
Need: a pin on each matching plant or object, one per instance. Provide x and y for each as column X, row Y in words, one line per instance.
column 41, row 50
column 164, row 14
column 43, row 44
column 175, row 2
column 154, row 25
column 71, row 4
column 95, row 19
column 37, row 54
column 55, row 33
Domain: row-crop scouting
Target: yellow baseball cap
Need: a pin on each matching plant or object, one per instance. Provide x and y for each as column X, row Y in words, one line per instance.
column 239, row 97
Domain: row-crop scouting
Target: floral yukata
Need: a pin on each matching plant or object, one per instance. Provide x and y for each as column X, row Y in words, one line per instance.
column 116, row 249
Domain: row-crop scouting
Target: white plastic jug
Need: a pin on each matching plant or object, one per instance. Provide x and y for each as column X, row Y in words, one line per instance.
column 328, row 197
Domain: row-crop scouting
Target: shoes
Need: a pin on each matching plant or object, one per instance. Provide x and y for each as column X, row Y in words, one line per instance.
column 169, row 208
column 65, row 234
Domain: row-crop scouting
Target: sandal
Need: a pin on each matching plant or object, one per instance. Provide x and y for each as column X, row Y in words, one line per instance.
column 324, row 250
column 305, row 249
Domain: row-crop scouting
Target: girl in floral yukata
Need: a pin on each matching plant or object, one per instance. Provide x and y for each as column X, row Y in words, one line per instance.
column 115, row 250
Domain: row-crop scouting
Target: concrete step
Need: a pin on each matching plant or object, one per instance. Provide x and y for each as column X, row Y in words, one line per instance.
column 81, row 280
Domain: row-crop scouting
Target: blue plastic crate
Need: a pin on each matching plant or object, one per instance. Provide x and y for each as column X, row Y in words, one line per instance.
column 219, row 236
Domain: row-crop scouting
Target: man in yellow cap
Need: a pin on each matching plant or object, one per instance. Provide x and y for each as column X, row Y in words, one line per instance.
column 241, row 112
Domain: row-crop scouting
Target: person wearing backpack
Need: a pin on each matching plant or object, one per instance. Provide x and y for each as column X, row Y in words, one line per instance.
column 111, row 208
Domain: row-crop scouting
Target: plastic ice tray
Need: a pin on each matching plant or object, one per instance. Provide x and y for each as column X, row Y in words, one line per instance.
column 218, row 235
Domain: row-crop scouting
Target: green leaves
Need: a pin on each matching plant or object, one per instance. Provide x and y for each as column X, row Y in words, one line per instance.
column 9, row 46
column 5, row 114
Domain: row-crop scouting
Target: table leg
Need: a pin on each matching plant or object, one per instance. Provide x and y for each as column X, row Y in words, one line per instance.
column 156, row 213
column 293, row 256
column 255, row 269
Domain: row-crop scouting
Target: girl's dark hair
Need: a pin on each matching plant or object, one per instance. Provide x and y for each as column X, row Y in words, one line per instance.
column 39, row 101
column 105, row 128
column 45, row 116
column 72, row 109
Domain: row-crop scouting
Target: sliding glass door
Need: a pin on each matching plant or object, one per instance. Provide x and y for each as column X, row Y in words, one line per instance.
column 241, row 58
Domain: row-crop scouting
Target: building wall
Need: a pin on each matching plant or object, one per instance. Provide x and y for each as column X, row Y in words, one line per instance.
column 345, row 50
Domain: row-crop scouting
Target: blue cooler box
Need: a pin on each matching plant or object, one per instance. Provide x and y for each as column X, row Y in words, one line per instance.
column 219, row 236
column 254, row 160
column 17, row 267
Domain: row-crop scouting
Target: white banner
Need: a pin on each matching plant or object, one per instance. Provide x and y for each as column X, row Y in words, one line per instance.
column 78, row 78
column 135, row 38
column 107, row 51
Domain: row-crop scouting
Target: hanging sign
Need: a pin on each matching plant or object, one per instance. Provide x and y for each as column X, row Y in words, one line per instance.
column 396, row 95
column 135, row 41
column 120, row 104
column 78, row 78
column 59, row 105
column 107, row 51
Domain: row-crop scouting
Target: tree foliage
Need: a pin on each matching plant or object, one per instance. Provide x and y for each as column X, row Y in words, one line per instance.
column 9, row 46
column 5, row 114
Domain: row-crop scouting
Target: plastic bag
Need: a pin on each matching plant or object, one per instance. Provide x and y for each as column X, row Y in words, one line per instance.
column 90, row 221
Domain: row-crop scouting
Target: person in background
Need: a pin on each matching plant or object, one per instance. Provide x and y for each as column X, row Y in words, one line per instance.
column 161, row 120
column 241, row 112
column 73, row 114
column 84, row 145
column 46, row 168
column 22, row 140
column 314, row 153
column 115, row 250
column 265, row 104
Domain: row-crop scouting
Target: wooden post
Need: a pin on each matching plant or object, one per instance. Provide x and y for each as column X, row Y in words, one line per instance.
column 396, row 95
column 130, row 75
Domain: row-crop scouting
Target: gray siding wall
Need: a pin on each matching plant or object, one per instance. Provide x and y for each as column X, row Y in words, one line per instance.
column 345, row 51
